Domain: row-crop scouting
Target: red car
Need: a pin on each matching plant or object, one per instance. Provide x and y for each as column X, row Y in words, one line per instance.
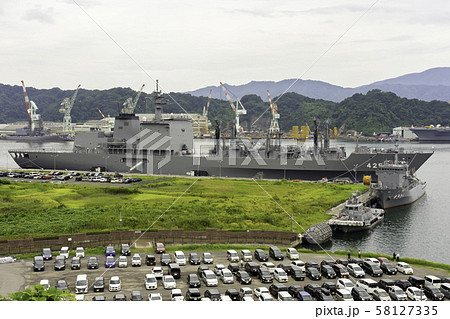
column 160, row 249
column 383, row 260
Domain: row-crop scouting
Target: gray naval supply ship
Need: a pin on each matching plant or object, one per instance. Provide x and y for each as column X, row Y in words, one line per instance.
column 397, row 185
column 165, row 146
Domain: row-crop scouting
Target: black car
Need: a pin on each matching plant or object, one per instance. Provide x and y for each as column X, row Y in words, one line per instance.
column 193, row 281
column 136, row 296
column 274, row 289
column 312, row 264
column 357, row 261
column 243, row 277
column 324, row 294
column 331, row 286
column 76, row 263
column 341, row 270
column 275, row 253
column 233, row 294
column 360, row 294
column 38, row 263
column 433, row 293
column 213, row 294
column 416, row 281
column 402, row 283
column 166, row 259
column 297, row 273
column 372, row 269
column 92, row 263
column 150, row 260
column 201, row 269
column 385, row 283
column 193, row 294
column 294, row 290
column 327, row 262
column 234, row 268
column 60, row 263
column 194, row 259
column 252, row 268
column 388, row 269
column 328, row 272
column 445, row 280
column 261, row 255
column 99, row 284
column 286, row 267
column 264, row 275
column 312, row 288
column 342, row 261
column 61, row 285
column 313, row 274
column 125, row 250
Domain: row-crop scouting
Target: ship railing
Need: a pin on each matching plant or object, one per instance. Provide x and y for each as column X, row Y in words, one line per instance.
column 47, row 150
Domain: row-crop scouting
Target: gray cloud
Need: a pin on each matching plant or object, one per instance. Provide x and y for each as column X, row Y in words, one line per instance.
column 40, row 14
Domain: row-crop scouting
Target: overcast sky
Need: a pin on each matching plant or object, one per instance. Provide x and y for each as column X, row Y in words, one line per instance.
column 192, row 44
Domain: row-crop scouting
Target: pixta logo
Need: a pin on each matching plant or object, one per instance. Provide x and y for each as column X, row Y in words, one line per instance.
column 146, row 146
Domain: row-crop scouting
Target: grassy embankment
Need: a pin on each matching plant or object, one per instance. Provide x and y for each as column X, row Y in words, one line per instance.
column 43, row 210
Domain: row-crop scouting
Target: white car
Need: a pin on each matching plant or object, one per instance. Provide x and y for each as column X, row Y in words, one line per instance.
column 374, row 260
column 158, row 272
column 280, row 275
column 64, row 252
column 404, row 268
column 209, row 278
column 45, row 283
column 284, row 296
column 343, row 294
column 245, row 292
column 123, row 263
column 261, row 290
column 155, row 297
column 266, row 297
column 416, row 294
column 355, row 270
column 180, row 258
column 136, row 260
column 381, row 295
column 225, row 298
column 226, row 276
column 176, row 295
column 246, row 255
column 344, row 283
column 150, row 282
column 115, row 284
column 169, row 282
column 300, row 264
column 218, row 269
column 292, row 254
column 269, row 266
column 80, row 297
column 396, row 293
column 368, row 284
column 207, row 259
column 79, row 252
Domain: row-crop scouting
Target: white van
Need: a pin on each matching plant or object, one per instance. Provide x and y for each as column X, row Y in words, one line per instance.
column 180, row 258
column 432, row 281
column 64, row 252
column 82, row 284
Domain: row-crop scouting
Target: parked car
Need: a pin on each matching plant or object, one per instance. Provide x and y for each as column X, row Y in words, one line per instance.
column 372, row 268
column 274, row 289
column 328, row 272
column 284, row 296
column 64, row 252
column 160, row 249
column 313, row 274
column 176, row 295
column 174, row 270
column 312, row 264
column 342, row 261
column 331, row 286
column 180, row 258
column 327, row 262
column 150, row 282
column 388, row 269
column 293, row 254
column 397, row 294
column 110, row 251
column 207, row 258
column 218, row 269
column 304, row 296
column 324, row 294
column 79, row 252
column 368, row 284
column 61, row 285
column 110, row 262
column 383, row 260
column 136, row 296
column 246, row 255
column 312, row 288
column 150, row 260
column 193, row 294
column 355, row 270
column 385, row 283
column 75, row 263
column 233, row 294
column 431, row 280
column 44, row 282
column 299, row 263
column 275, row 253
column 46, row 253
column 415, row 294
column 261, row 290
column 194, row 259
column 226, row 276
column 355, row 260
column 343, row 294
column 341, row 271
column 209, row 278
column 200, row 270
column 158, row 272
column 360, row 294
column 232, row 255
column 280, row 275
column 213, row 295
column 243, row 277
column 60, row 263
column 123, row 262
column 245, row 292
column 82, row 284
column 403, row 284
column 286, row 267
column 234, row 268
column 261, row 255
column 380, row 295
column 269, row 265
column 297, row 273
column 445, row 289
column 264, row 275
column 119, row 297
column 433, row 293
column 169, row 282
column 38, row 263
column 193, row 281
column 417, row 281
column 92, row 263
column 344, row 283
column 294, row 290
column 404, row 268
column 115, row 284
column 99, row 284
column 266, row 297
column 166, row 259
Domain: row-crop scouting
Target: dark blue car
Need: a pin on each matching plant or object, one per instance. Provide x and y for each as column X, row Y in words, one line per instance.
column 304, row 296
column 47, row 253
column 110, row 251
column 110, row 262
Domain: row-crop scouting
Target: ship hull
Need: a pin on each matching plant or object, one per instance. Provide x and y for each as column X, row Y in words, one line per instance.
column 354, row 167
column 432, row 135
column 37, row 139
column 389, row 198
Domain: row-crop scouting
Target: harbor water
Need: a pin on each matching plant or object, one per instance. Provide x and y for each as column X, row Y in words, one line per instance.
column 419, row 230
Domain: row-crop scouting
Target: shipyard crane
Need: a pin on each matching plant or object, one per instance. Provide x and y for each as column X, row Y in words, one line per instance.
column 35, row 121
column 238, row 109
column 66, row 108
column 205, row 109
column 108, row 121
column 274, row 127
column 130, row 105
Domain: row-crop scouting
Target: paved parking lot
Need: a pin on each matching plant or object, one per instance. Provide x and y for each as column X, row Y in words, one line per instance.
column 133, row 277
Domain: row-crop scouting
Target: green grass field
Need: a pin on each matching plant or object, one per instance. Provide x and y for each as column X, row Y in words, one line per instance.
column 40, row 209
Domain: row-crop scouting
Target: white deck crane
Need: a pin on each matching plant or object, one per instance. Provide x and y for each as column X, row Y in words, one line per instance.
column 35, row 118
column 238, row 109
column 108, row 121
column 66, row 108
column 205, row 109
column 130, row 105
column 274, row 127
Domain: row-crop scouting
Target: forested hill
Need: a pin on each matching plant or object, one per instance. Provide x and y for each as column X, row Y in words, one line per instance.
column 372, row 112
